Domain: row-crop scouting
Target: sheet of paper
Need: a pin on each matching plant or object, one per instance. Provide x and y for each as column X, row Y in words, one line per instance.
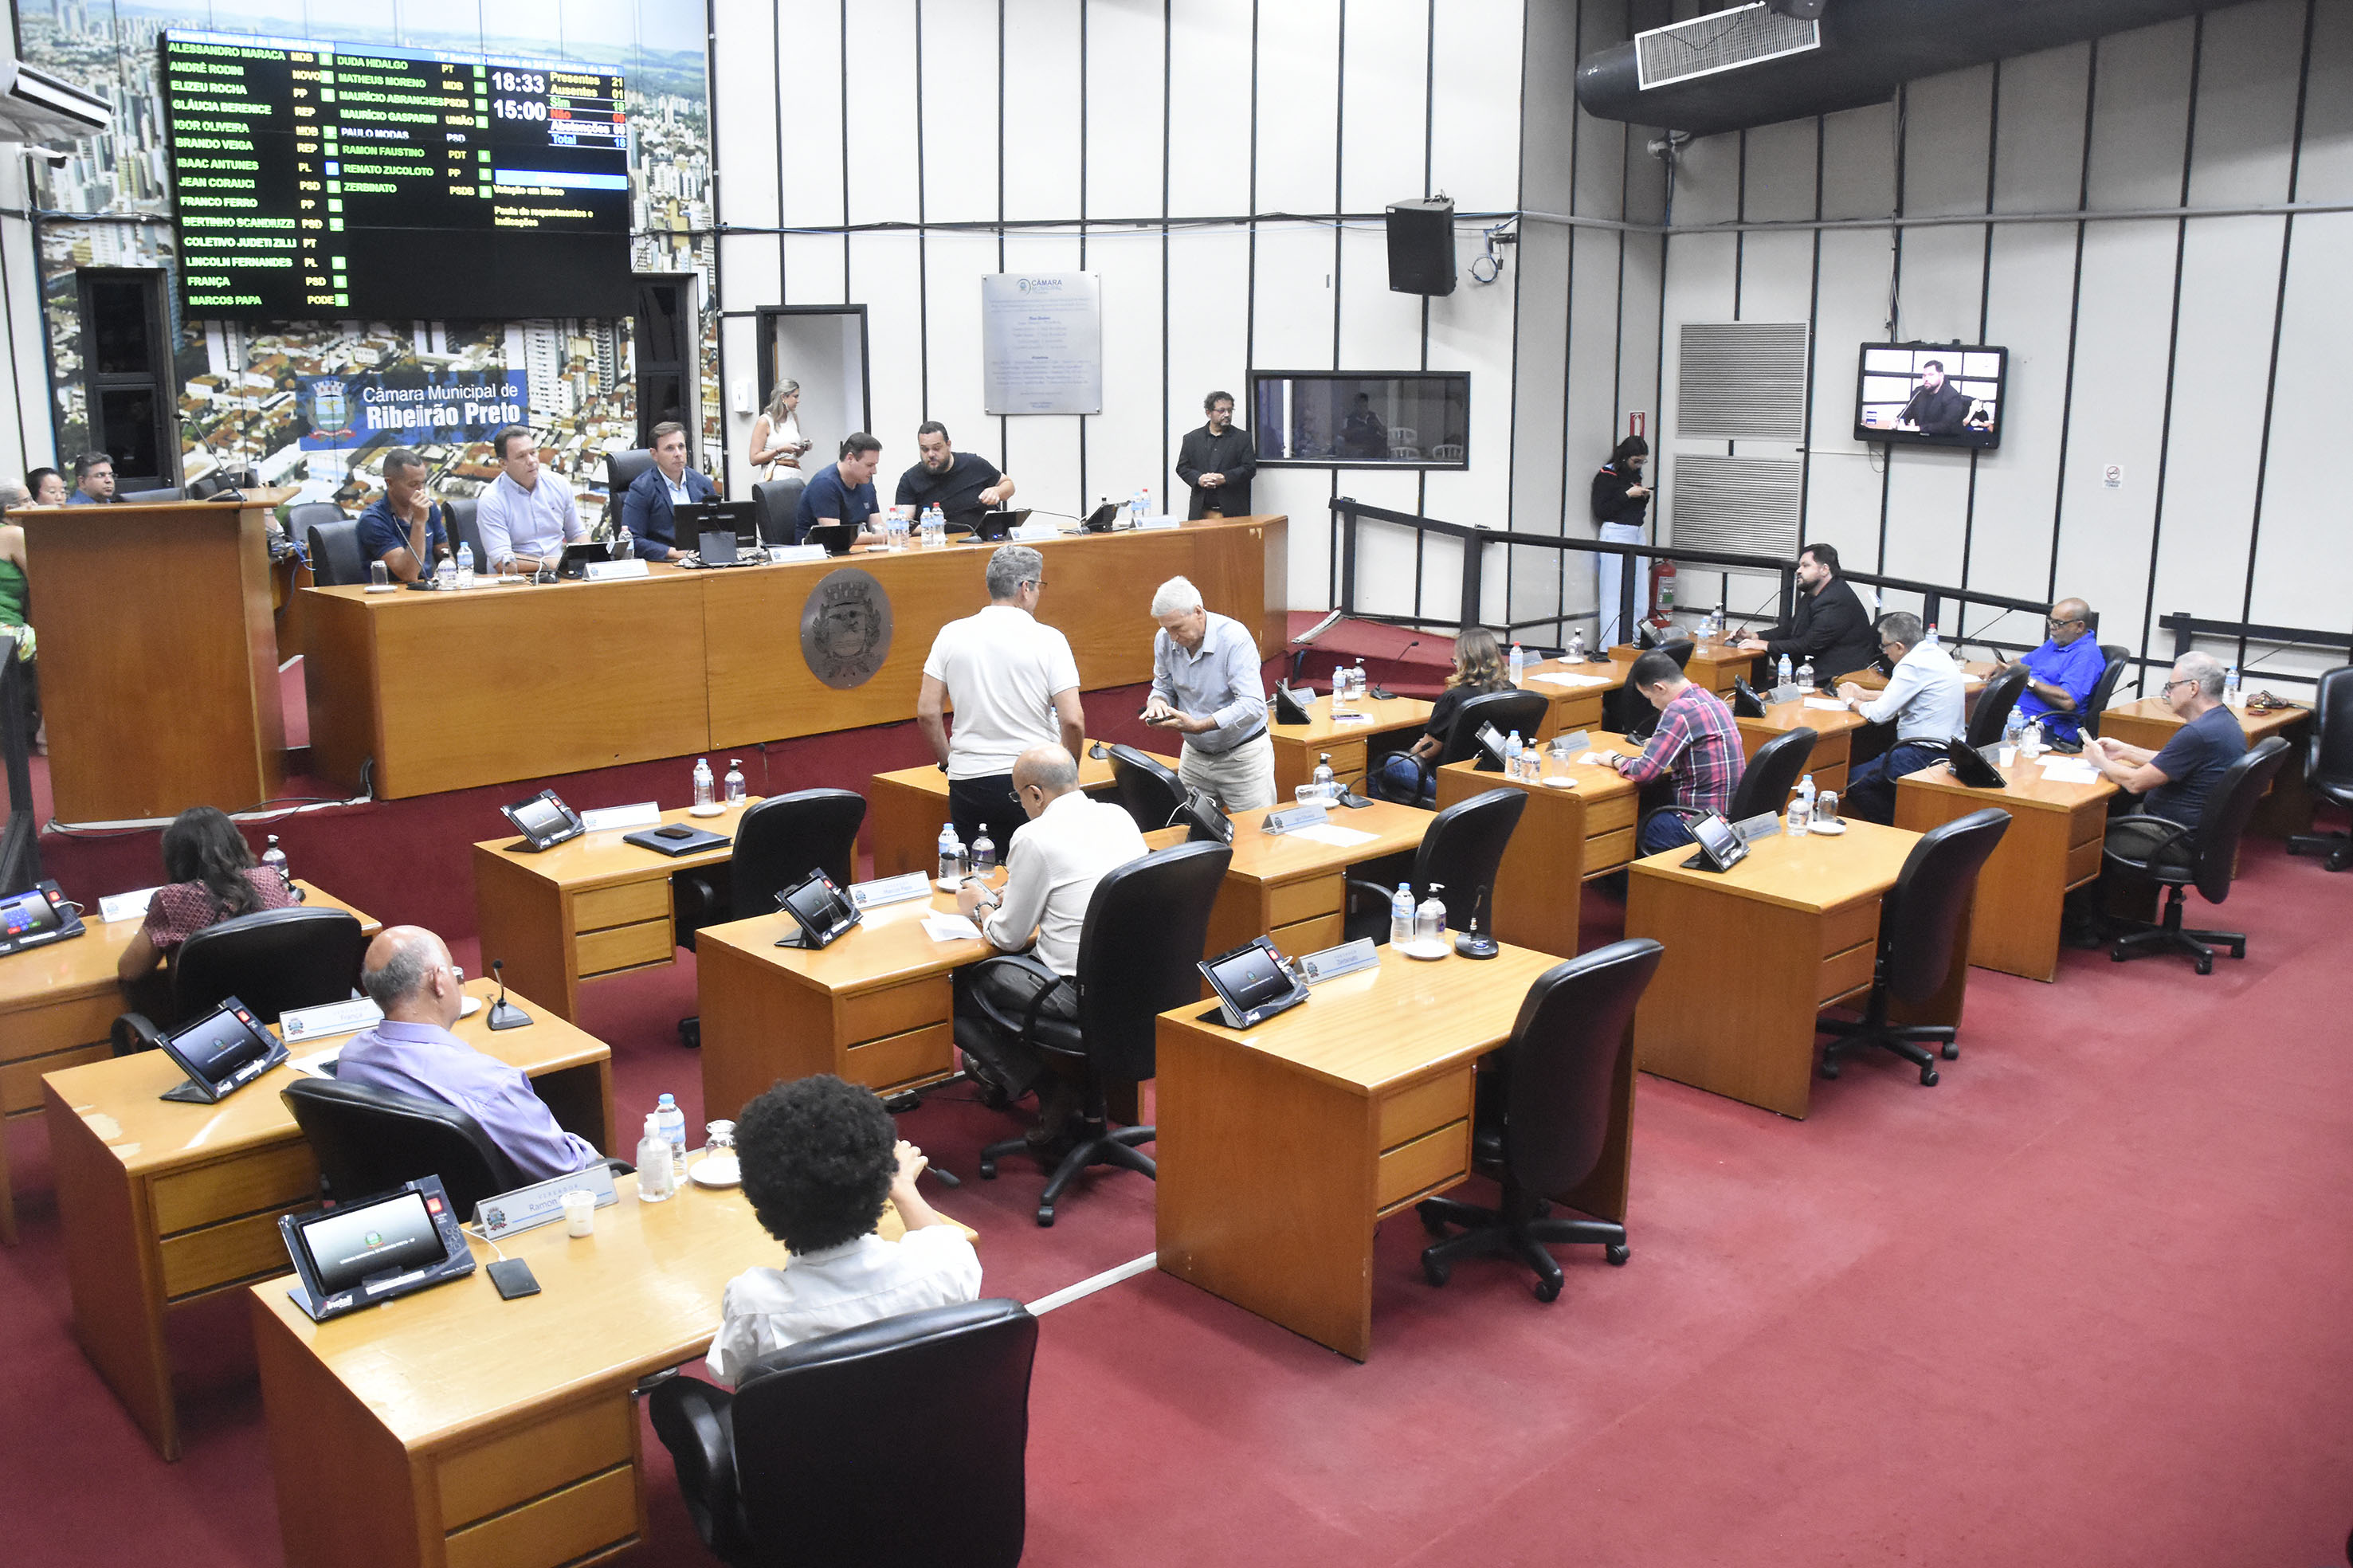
column 126, row 905
column 1330, row 833
column 1557, row 678
column 949, row 928
column 1829, row 704
column 2070, row 770
column 1592, row 760
column 316, row 1063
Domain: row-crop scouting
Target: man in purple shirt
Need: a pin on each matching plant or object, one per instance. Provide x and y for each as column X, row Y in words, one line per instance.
column 407, row 974
column 1696, row 740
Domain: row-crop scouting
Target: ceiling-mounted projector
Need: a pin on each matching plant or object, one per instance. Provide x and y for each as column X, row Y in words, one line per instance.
column 36, row 107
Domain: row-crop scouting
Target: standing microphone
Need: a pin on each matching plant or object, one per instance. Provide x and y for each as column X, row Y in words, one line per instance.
column 505, row 1015
column 1474, row 943
column 1383, row 693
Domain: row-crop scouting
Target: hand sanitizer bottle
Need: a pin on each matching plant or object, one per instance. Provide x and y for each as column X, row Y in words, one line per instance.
column 655, row 1177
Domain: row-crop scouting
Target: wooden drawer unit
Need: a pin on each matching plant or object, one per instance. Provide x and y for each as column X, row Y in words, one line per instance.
column 1581, row 711
column 1307, row 936
column 1607, row 852
column 587, row 1520
column 475, row 1483
column 40, row 1031
column 1847, row 971
column 1432, row 1161
column 2083, row 861
column 894, row 1010
column 199, row 1260
column 903, row 1059
column 1832, row 777
column 20, row 1081
column 1291, row 902
column 1347, row 759
column 624, row 947
column 1409, row 1113
column 628, row 904
column 1609, row 816
column 1844, row 928
column 267, row 1178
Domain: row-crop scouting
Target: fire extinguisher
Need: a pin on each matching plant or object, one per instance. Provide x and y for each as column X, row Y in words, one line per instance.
column 1662, row 594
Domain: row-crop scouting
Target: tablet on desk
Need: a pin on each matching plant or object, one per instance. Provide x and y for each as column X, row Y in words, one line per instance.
column 36, row 916
column 221, row 1054
column 358, row 1254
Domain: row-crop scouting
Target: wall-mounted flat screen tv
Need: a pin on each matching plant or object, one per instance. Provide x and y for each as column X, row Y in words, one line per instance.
column 1931, row 395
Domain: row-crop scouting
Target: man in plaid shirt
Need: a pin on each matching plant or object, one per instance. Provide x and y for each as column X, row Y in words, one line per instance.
column 1696, row 741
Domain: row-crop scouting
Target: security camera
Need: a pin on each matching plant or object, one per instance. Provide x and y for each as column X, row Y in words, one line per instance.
column 1669, row 144
column 53, row 157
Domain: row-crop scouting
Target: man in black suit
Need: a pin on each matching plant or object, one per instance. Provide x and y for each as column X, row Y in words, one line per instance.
column 1938, row 407
column 1216, row 461
column 1830, row 625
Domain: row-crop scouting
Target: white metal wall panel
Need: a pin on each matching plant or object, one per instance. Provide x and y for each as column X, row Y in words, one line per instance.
column 1124, row 75
column 1475, row 111
column 1210, row 128
column 1298, row 105
column 1042, row 108
column 1383, row 103
column 959, row 107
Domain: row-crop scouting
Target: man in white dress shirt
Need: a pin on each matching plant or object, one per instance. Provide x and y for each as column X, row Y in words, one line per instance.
column 1925, row 697
column 819, row 1157
column 525, row 516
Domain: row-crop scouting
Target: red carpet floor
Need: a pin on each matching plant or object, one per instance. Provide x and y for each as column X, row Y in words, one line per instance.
column 2082, row 1303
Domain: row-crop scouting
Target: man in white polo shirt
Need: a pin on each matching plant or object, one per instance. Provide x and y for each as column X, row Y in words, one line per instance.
column 1014, row 685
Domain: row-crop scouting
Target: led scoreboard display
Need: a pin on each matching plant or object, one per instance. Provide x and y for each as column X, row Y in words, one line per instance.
column 323, row 180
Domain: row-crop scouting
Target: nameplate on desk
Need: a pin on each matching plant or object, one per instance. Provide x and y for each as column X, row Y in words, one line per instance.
column 126, row 905
column 790, row 554
column 644, row 814
column 613, row 571
column 1348, row 958
column 328, row 1019
column 1575, row 740
column 542, row 1201
column 884, row 891
column 1149, row 523
column 1351, row 716
column 1757, row 828
column 1292, row 817
column 1035, row 530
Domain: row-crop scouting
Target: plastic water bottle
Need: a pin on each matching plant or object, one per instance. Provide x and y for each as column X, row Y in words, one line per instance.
column 703, row 784
column 444, row 574
column 1401, row 915
column 2031, row 743
column 2231, row 696
column 1577, row 647
column 1800, row 819
column 735, row 781
column 1931, row 638
column 1135, row 508
column 1519, row 666
column 935, row 528
column 671, row 1123
column 984, row 852
column 275, row 858
column 624, row 544
column 657, row 1178
column 1805, row 676
column 465, row 564
column 951, row 855
column 1325, row 788
column 1788, row 678
column 1512, row 755
column 1143, row 505
column 896, row 529
column 1429, row 919
column 2014, row 731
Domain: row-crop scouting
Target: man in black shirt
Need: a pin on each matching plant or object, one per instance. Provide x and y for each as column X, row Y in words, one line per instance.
column 1216, row 461
column 1831, row 626
column 1937, row 408
column 962, row 485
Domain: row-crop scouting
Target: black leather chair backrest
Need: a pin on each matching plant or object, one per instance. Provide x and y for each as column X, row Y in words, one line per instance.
column 1768, row 777
column 621, row 471
column 2229, row 805
column 779, row 502
column 781, row 840
column 2328, row 752
column 1564, row 1055
column 1140, row 951
column 273, row 961
column 1507, row 710
column 369, row 1140
column 1994, row 703
column 334, row 548
column 2104, row 690
column 828, row 1431
column 1146, row 789
column 1463, row 846
column 148, row 497
column 1924, row 913
column 1680, row 651
column 465, row 529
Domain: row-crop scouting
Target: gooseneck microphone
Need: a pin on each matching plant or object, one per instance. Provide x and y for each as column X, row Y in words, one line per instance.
column 1382, row 693
column 505, row 1015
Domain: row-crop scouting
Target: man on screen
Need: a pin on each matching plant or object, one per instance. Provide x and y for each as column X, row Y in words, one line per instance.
column 1938, row 408
column 525, row 518
column 962, row 485
column 650, row 512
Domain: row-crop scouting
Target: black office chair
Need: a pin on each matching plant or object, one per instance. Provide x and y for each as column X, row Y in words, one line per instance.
column 806, row 1462
column 2328, row 764
column 149, row 497
column 1506, row 711
column 1994, row 703
column 622, row 470
column 778, row 843
column 1766, row 780
column 2104, row 690
column 465, row 529
column 1460, row 850
column 1144, row 789
column 1920, row 919
column 273, row 961
column 1139, row 955
column 1629, row 713
column 780, row 504
column 2168, row 853
column 1573, row 1038
column 369, row 1140
column 334, row 548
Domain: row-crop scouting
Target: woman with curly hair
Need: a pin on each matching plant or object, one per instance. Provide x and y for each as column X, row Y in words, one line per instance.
column 213, row 877
column 819, row 1157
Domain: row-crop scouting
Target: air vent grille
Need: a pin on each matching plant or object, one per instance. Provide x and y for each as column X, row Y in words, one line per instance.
column 1747, row 504
column 1742, row 381
column 1721, row 41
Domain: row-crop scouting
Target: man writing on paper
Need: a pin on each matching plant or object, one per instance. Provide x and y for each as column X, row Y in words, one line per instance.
column 650, row 512
column 1206, row 685
column 525, row 517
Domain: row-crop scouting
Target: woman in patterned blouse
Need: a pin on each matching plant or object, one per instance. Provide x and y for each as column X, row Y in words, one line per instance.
column 214, row 878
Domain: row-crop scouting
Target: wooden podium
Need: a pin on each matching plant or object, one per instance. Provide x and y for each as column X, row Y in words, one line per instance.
column 159, row 656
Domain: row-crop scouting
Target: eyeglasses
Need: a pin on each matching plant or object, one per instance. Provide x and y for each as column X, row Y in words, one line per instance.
column 2166, row 690
column 2058, row 621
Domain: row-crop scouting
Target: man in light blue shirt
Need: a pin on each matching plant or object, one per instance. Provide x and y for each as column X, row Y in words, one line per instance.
column 525, row 517
column 407, row 974
column 2060, row 674
column 1924, row 697
column 1207, row 686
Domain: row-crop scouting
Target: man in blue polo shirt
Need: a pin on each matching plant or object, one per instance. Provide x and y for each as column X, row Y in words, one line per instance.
column 2060, row 674
column 404, row 528
column 2174, row 781
column 649, row 510
column 843, row 491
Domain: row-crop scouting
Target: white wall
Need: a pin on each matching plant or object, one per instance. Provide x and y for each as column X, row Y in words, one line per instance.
column 2231, row 505
column 26, row 438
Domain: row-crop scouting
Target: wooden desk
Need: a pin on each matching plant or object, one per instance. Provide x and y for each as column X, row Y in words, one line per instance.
column 450, row 1429
column 1575, row 707
column 2052, row 844
column 877, row 1007
column 590, row 907
column 1280, row 1150
column 1565, row 836
column 163, row 1203
column 904, row 810
column 1756, row 952
column 2285, row 809
column 1833, row 738
column 1714, row 665
column 57, row 1006
column 1297, row 746
column 1294, row 890
column 451, row 691
column 159, row 658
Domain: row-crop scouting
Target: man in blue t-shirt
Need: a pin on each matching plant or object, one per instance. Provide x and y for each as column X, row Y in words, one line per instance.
column 962, row 485
column 404, row 528
column 2060, row 674
column 843, row 491
column 2174, row 782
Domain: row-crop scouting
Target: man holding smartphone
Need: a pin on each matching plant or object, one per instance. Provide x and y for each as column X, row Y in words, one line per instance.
column 1208, row 687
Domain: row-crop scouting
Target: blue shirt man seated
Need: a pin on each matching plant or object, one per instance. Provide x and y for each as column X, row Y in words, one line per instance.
column 649, row 509
column 2060, row 674
column 843, row 491
column 404, row 528
column 407, row 973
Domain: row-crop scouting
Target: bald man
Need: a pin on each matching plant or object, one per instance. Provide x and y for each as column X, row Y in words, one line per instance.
column 407, row 973
column 2060, row 674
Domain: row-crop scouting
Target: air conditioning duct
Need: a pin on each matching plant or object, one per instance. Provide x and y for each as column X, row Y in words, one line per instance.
column 35, row 107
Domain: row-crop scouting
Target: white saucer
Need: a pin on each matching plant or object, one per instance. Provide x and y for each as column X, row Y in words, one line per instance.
column 1438, row 947
column 1562, row 783
column 1830, row 829
column 728, row 1173
column 472, row 1005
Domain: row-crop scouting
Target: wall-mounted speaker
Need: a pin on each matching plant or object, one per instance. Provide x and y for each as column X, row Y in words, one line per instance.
column 1421, row 247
